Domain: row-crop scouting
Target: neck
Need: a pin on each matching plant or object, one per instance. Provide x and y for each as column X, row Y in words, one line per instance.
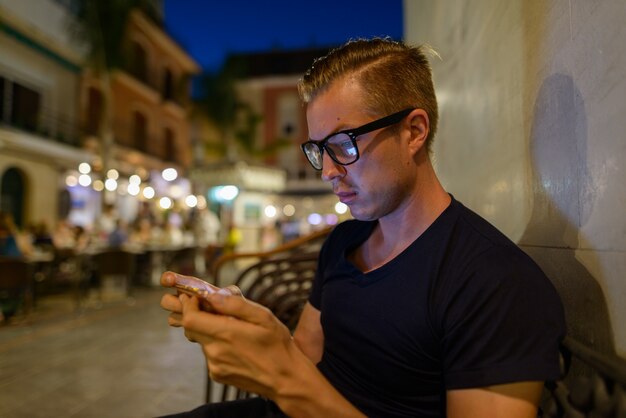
column 426, row 202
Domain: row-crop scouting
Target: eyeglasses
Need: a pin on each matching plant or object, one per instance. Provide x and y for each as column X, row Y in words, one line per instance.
column 341, row 146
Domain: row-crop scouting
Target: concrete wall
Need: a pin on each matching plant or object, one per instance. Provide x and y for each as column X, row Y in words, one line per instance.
column 532, row 97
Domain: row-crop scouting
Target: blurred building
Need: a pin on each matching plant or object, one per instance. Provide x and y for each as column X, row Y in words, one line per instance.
column 49, row 106
column 150, row 103
column 40, row 69
column 277, row 185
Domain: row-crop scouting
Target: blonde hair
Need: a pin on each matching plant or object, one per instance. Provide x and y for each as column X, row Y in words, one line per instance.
column 393, row 76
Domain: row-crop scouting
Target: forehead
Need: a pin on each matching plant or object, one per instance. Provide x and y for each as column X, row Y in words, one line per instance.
column 339, row 106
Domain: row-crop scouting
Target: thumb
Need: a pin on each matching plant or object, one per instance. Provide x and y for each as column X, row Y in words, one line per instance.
column 240, row 308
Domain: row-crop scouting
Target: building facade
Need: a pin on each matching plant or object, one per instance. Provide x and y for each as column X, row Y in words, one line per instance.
column 40, row 69
column 49, row 106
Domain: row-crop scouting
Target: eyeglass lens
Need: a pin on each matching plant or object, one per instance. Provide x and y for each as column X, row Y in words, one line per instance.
column 340, row 148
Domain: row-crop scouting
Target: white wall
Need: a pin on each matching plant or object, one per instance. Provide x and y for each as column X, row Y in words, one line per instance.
column 43, row 18
column 532, row 135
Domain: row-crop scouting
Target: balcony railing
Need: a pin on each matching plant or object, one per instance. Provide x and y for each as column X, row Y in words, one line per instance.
column 47, row 124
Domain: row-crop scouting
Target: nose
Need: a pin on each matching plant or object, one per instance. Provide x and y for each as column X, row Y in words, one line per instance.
column 330, row 169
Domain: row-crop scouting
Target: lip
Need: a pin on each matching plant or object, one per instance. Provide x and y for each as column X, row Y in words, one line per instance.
column 346, row 197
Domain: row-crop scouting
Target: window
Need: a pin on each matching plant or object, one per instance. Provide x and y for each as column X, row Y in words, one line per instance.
column 2, row 115
column 94, row 110
column 25, row 107
column 169, row 142
column 12, row 194
column 140, row 132
column 168, row 85
column 138, row 62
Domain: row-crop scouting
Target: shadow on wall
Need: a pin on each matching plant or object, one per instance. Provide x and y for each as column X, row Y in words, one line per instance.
column 563, row 199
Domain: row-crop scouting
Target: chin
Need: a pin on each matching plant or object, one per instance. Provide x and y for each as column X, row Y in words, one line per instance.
column 363, row 215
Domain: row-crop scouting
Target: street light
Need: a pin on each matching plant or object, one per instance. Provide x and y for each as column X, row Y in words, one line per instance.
column 225, row 193
column 169, row 174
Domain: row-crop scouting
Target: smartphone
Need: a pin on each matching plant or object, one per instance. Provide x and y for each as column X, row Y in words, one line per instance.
column 194, row 286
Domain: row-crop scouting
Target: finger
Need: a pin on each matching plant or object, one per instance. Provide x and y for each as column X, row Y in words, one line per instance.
column 175, row 320
column 171, row 303
column 240, row 308
column 168, row 279
column 190, row 304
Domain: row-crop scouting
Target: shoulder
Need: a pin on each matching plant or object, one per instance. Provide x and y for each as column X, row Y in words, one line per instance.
column 480, row 254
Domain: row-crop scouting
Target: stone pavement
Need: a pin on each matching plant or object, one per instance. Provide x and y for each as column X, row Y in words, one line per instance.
column 116, row 359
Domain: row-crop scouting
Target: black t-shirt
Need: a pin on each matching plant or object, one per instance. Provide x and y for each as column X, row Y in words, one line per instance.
column 461, row 307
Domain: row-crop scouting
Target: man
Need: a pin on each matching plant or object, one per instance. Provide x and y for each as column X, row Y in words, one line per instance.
column 420, row 308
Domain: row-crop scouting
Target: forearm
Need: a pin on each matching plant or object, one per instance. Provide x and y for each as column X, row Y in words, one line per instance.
column 305, row 393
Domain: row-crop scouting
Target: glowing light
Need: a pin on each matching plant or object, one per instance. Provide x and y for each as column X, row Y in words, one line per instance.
column 133, row 189
column 341, row 208
column 135, row 179
column 148, row 192
column 270, row 211
column 98, row 185
column 226, row 193
column 84, row 180
column 110, row 184
column 71, row 180
column 191, row 201
column 289, row 209
column 314, row 219
column 84, row 168
column 169, row 174
column 165, row 202
column 331, row 219
column 113, row 174
column 176, row 191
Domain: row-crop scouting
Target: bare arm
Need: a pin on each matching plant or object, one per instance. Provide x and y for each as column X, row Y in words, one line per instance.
column 514, row 400
column 309, row 336
column 247, row 346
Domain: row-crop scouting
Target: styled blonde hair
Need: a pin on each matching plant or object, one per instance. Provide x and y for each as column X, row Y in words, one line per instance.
column 393, row 76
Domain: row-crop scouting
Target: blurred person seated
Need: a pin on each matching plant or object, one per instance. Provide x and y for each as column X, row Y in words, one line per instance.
column 12, row 244
column 41, row 236
column 172, row 235
column 63, row 236
column 82, row 238
column 119, row 235
column 107, row 221
column 141, row 233
column 206, row 227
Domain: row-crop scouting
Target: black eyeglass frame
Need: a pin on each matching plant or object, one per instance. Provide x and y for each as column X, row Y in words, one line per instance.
column 353, row 134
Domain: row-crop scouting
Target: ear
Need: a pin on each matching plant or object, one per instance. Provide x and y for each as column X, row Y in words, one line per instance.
column 419, row 127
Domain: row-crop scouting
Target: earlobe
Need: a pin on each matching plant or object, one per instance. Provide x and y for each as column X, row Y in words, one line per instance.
column 419, row 125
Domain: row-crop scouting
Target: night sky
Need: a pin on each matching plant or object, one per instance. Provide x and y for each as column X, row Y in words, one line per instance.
column 210, row 29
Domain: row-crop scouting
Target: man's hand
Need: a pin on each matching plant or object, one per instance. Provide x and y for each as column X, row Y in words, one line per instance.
column 171, row 302
column 244, row 343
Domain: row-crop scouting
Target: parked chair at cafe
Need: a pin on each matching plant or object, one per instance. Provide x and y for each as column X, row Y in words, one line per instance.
column 16, row 287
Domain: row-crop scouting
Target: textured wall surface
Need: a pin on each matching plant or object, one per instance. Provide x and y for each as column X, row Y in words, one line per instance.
column 532, row 135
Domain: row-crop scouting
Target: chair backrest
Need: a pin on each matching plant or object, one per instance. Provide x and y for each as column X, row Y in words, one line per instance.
column 14, row 272
column 281, row 283
column 593, row 384
column 16, row 280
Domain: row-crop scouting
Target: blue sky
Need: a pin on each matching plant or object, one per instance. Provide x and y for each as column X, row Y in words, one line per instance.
column 210, row 29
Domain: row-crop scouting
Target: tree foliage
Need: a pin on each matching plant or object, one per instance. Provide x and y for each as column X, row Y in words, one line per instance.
column 101, row 26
